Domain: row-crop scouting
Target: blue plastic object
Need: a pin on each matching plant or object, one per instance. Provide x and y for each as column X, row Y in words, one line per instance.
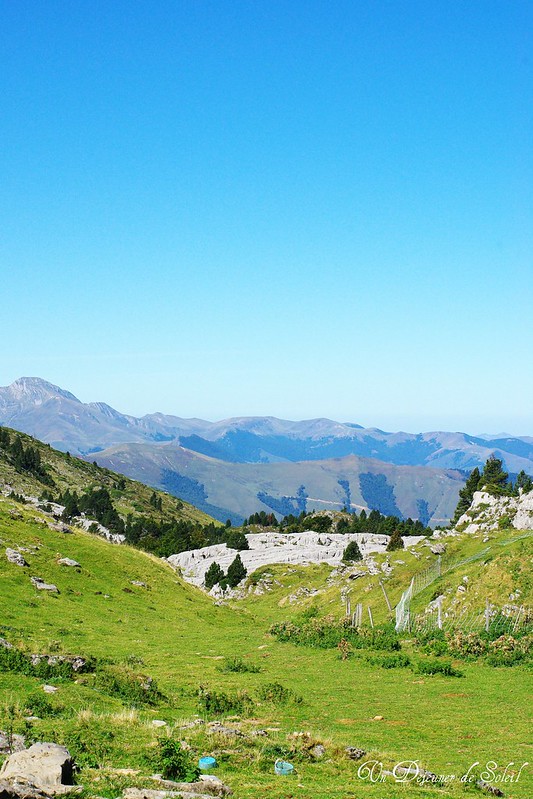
column 282, row 767
column 206, row 763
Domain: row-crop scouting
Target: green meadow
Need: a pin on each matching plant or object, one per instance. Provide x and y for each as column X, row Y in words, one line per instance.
column 175, row 634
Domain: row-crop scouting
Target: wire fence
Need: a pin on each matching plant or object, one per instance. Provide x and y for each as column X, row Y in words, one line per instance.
column 424, row 579
column 499, row 621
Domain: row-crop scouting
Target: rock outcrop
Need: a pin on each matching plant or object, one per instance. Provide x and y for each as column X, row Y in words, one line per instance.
column 487, row 512
column 273, row 547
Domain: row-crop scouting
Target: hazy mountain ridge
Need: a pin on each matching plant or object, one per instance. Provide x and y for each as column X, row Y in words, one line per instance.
column 236, row 490
column 56, row 416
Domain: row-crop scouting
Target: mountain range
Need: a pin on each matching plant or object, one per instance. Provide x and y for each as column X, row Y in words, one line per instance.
column 235, row 467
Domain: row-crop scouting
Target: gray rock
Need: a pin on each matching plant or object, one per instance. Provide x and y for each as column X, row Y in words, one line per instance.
column 5, row 644
column 50, row 689
column 488, row 788
column 318, row 751
column 139, row 583
column 43, row 764
column 15, row 557
column 438, row 549
column 220, row 729
column 69, row 562
column 354, row 753
column 17, row 743
column 42, row 586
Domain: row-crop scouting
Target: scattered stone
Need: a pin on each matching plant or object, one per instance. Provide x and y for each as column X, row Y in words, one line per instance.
column 202, row 789
column 42, row 586
column 139, row 583
column 50, row 689
column 488, row 788
column 318, row 751
column 5, row 644
column 43, row 764
column 159, row 723
column 15, row 557
column 189, row 724
column 17, row 743
column 378, row 718
column 69, row 562
column 354, row 753
column 438, row 549
column 60, row 528
column 258, row 733
column 217, row 728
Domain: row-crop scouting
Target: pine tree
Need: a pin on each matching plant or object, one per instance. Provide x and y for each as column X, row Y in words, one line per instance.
column 213, row 575
column 466, row 494
column 494, row 479
column 352, row 552
column 395, row 541
column 524, row 482
column 236, row 572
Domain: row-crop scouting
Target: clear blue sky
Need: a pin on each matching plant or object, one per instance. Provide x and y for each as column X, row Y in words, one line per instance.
column 289, row 208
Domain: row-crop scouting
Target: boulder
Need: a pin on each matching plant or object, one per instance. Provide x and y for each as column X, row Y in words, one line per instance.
column 69, row 562
column 438, row 549
column 43, row 764
column 15, row 557
column 42, row 586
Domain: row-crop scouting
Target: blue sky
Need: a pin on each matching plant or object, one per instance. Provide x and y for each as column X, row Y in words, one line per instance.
column 297, row 209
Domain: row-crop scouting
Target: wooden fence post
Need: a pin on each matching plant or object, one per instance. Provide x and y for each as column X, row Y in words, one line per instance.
column 386, row 597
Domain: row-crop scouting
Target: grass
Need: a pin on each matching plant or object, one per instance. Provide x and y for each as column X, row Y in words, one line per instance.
column 174, row 634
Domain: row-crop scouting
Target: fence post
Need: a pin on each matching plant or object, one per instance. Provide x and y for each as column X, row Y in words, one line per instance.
column 439, row 613
column 439, row 561
column 487, row 615
column 370, row 616
column 386, row 597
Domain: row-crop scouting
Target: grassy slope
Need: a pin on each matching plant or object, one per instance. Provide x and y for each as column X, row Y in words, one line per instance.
column 447, row 724
column 74, row 474
column 505, row 567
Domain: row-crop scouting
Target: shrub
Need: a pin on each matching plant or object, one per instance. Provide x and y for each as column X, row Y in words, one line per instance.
column 466, row 645
column 438, row 667
column 239, row 666
column 174, row 762
column 329, row 633
column 432, row 641
column 277, row 694
column 122, row 682
column 215, row 703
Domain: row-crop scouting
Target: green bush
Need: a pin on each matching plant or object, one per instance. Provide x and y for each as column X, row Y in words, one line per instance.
column 237, row 665
column 396, row 661
column 123, row 683
column 214, row 703
column 174, row 762
column 432, row 642
column 277, row 694
column 328, row 633
column 438, row 667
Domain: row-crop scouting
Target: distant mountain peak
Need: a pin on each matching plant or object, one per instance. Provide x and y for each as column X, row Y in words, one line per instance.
column 35, row 390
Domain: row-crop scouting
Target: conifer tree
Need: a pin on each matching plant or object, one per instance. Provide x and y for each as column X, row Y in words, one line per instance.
column 466, row 494
column 236, row 572
column 213, row 575
column 395, row 541
column 493, row 477
column 352, row 553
